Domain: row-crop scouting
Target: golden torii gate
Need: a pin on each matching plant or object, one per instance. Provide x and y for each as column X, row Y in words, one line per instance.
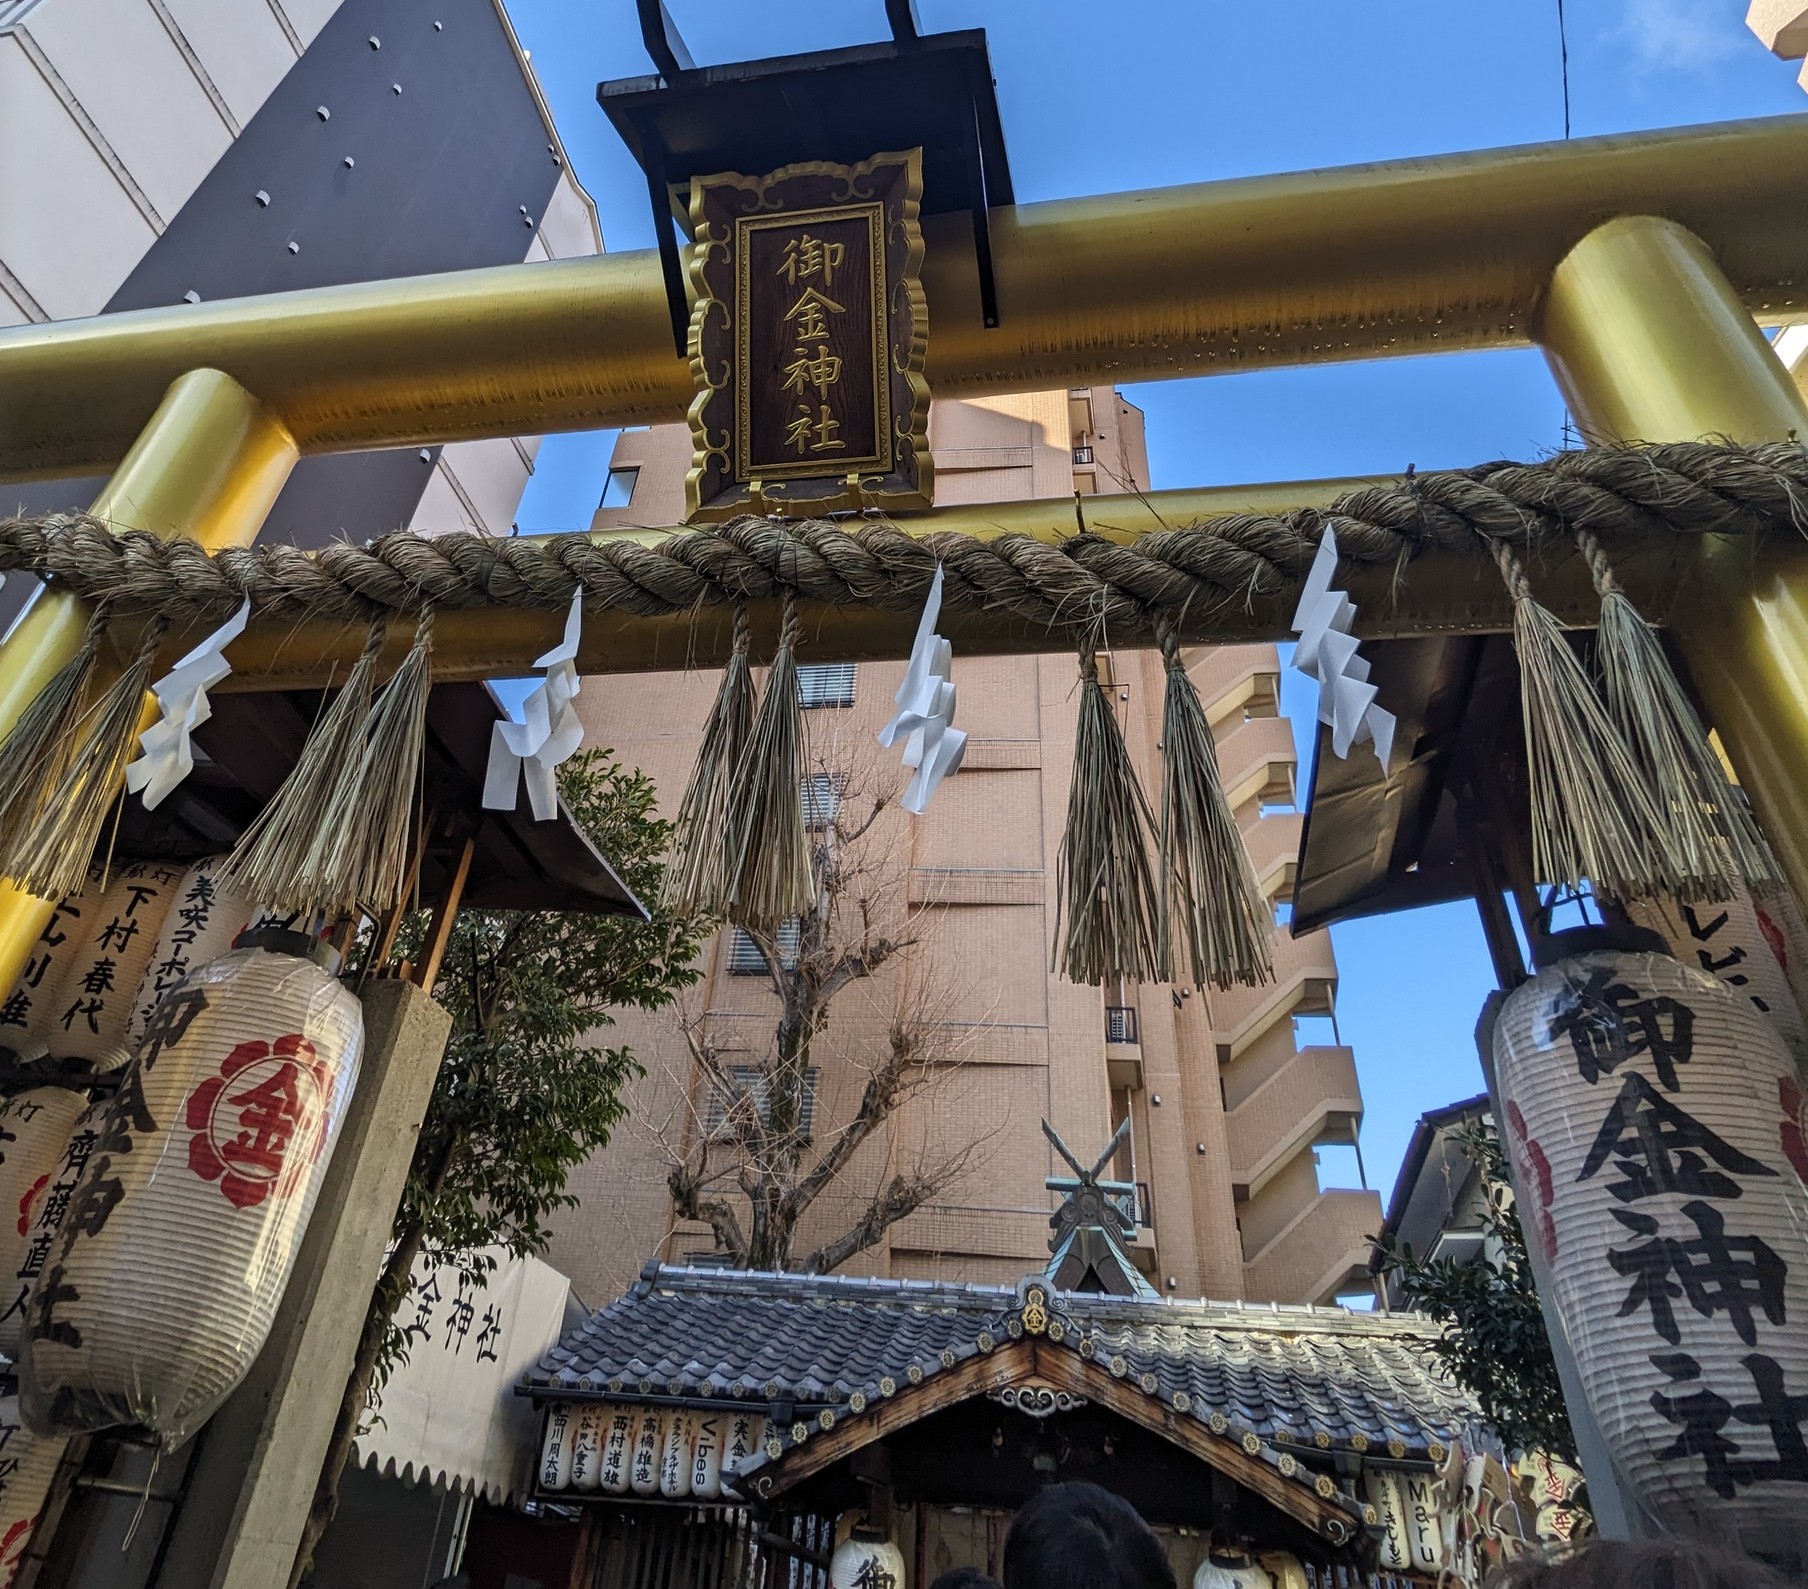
column 1640, row 264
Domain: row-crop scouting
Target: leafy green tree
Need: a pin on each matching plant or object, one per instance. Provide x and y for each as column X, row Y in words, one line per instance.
column 1493, row 1341
column 524, row 1093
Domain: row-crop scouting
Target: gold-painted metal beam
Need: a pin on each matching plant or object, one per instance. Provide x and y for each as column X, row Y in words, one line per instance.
column 1412, row 256
column 1651, row 342
column 1438, row 593
column 209, row 466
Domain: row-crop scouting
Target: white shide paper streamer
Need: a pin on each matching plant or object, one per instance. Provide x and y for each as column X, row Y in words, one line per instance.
column 168, row 749
column 551, row 731
column 1327, row 652
column 925, row 715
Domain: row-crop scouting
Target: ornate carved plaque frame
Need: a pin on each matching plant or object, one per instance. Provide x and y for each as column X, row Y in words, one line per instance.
column 807, row 338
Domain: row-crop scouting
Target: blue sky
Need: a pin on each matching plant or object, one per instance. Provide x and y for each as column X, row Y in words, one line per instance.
column 1100, row 98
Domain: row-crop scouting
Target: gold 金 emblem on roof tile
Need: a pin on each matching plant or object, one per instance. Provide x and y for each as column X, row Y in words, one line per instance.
column 1288, row 1464
column 1436, row 1451
column 775, row 1448
column 985, row 1342
column 1322, row 1440
column 947, row 1357
column 1359, row 1442
column 646, row 1387
column 914, row 1374
column 1220, row 1424
column 800, row 1432
column 737, row 1389
column 1119, row 1366
column 674, row 1387
column 1369, row 1515
column 1396, row 1448
column 1148, row 1383
column 615, row 1384
column 1252, row 1443
column 1182, row 1401
column 1057, row 1331
column 1035, row 1310
column 772, row 1390
column 888, row 1386
column 857, row 1402
column 1013, row 1327
column 1324, row 1486
column 825, row 1420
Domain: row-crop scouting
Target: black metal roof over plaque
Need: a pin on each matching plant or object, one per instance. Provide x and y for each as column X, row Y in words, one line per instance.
column 932, row 91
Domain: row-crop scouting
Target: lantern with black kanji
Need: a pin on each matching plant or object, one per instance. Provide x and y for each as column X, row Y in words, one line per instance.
column 46, row 1136
column 184, row 1225
column 866, row 1559
column 26, row 1470
column 29, row 1009
column 742, row 1442
column 556, row 1446
column 1660, row 1139
column 203, row 919
column 115, row 939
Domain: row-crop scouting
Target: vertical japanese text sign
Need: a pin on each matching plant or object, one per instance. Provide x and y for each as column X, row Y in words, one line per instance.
column 808, row 331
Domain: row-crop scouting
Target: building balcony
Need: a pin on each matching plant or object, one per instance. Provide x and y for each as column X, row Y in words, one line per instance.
column 1305, row 983
column 1233, row 680
column 1323, row 1251
column 1256, row 762
column 1273, row 844
column 1313, row 1097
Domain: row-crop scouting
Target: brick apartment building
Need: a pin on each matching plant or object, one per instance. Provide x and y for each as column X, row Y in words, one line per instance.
column 1226, row 1105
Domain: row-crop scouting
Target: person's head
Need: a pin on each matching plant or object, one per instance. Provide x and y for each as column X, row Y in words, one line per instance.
column 1078, row 1536
column 1646, row 1564
column 964, row 1578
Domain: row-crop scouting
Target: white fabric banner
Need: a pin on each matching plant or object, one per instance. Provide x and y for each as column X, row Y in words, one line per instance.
column 450, row 1414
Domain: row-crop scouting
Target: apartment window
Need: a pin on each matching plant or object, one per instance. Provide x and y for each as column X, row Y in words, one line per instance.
column 1079, row 414
column 745, row 959
column 1082, row 455
column 1120, row 1023
column 826, row 684
column 822, row 799
column 754, row 1083
column 618, row 492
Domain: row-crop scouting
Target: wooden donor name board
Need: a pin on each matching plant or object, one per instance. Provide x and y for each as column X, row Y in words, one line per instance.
column 808, row 329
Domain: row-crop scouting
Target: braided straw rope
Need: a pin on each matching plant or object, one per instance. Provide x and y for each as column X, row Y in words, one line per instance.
column 1681, row 488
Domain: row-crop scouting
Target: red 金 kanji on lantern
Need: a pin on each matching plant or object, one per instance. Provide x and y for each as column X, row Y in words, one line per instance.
column 260, row 1123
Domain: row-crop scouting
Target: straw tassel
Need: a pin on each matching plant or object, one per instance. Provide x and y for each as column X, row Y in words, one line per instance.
column 36, row 753
column 1593, row 820
column 268, row 861
column 696, row 878
column 1208, row 884
column 1709, row 817
column 1105, row 900
column 51, row 856
column 768, row 849
column 361, row 855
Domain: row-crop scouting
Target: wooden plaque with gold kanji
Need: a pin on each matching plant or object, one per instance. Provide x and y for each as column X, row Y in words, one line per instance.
column 808, row 329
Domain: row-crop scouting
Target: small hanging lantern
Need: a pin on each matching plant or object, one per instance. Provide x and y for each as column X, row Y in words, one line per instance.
column 618, row 1450
column 1230, row 1572
column 1659, row 1138
column 706, row 1456
column 185, row 1222
column 1284, row 1569
column 1385, row 1493
column 1421, row 1514
column 587, row 1449
column 745, row 1437
column 202, row 922
column 675, row 1457
column 26, row 1472
column 97, row 993
column 51, row 1132
column 866, row 1559
column 555, row 1447
column 649, row 1440
column 28, row 1015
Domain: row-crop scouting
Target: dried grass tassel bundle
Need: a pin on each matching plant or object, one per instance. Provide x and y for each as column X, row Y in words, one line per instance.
column 697, row 876
column 269, row 860
column 1106, row 902
column 1208, row 884
column 51, row 855
column 35, row 755
column 1593, row 819
column 1711, row 823
column 361, row 857
column 768, row 850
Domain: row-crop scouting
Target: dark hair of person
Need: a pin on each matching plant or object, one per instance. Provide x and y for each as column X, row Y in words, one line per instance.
column 1641, row 1564
column 1079, row 1536
column 964, row 1578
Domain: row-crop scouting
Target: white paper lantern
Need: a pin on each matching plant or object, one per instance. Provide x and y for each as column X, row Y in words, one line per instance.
column 618, row 1449
column 555, row 1447
column 28, row 1014
column 54, row 1131
column 185, row 1223
column 1424, row 1497
column 97, row 993
column 745, row 1436
column 1384, row 1492
column 706, row 1455
column 863, row 1561
column 587, row 1448
column 1284, row 1569
column 1743, row 948
column 28, row 1463
column 1658, row 1137
column 1230, row 1572
column 203, row 918
column 675, row 1457
column 649, row 1440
